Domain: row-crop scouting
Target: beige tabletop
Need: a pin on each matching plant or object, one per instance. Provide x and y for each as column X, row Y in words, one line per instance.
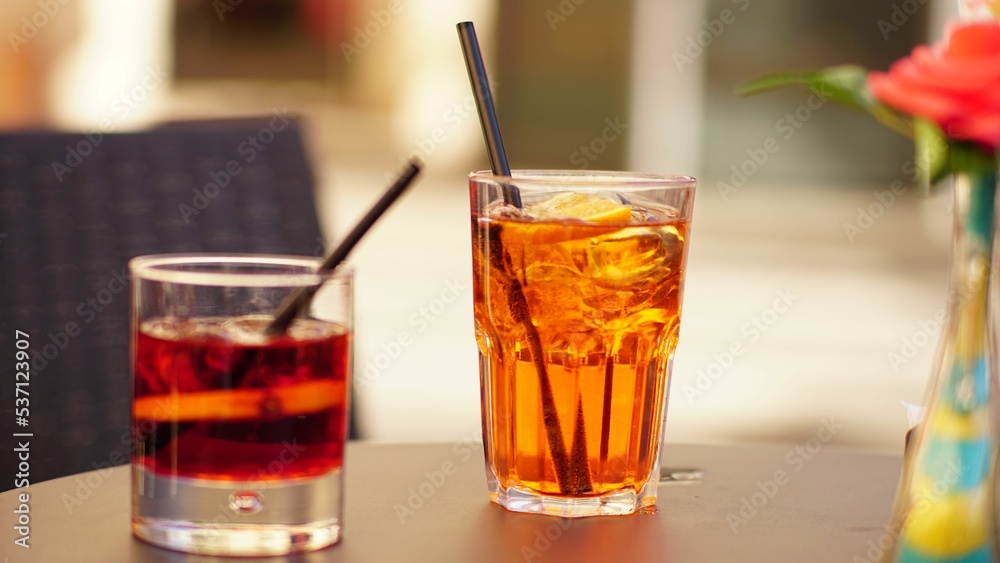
column 427, row 502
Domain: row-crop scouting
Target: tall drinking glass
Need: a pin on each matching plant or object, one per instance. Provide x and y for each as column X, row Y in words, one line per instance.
column 577, row 311
column 238, row 435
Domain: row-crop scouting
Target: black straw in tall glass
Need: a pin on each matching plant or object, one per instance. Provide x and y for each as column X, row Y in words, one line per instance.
column 487, row 111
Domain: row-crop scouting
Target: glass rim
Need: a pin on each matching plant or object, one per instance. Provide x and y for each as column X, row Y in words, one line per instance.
column 587, row 178
column 300, row 270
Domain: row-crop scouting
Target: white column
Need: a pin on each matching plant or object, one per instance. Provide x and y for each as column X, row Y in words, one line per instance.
column 119, row 69
column 410, row 65
column 666, row 94
column 978, row 9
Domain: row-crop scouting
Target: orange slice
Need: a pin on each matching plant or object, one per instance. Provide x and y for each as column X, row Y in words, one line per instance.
column 240, row 404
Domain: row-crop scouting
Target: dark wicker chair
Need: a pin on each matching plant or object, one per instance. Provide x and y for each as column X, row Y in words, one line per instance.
column 74, row 208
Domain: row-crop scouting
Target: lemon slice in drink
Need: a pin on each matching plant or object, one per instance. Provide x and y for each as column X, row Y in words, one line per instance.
column 586, row 207
column 573, row 206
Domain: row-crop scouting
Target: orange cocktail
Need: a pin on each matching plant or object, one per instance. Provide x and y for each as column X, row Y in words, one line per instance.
column 577, row 309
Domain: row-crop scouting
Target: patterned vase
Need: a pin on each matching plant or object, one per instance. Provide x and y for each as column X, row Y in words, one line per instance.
column 945, row 508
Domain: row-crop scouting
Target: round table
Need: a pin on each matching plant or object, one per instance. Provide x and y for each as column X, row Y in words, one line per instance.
column 428, row 502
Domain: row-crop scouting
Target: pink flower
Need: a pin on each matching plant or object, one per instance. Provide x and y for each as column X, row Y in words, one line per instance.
column 955, row 84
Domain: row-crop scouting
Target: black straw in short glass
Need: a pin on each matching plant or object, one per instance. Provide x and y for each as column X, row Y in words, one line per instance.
column 299, row 301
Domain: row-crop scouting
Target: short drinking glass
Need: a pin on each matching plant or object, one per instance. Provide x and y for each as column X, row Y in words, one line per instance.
column 238, row 435
column 577, row 282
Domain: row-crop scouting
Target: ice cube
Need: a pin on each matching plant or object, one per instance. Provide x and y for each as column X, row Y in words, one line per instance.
column 576, row 346
column 645, row 210
column 648, row 215
column 642, row 215
column 616, row 197
column 312, row 329
column 502, row 210
column 247, row 330
column 645, row 255
column 163, row 328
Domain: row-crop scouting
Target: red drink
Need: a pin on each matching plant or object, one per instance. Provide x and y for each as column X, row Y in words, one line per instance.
column 216, row 399
column 239, row 436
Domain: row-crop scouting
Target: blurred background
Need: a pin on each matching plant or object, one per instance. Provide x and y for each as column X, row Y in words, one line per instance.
column 811, row 248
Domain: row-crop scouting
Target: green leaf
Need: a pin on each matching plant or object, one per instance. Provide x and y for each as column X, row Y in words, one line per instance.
column 844, row 84
column 892, row 119
column 931, row 147
column 847, row 84
column 937, row 156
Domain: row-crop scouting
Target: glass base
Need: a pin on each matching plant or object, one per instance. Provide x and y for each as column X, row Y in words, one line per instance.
column 237, row 518
column 619, row 503
column 236, row 539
